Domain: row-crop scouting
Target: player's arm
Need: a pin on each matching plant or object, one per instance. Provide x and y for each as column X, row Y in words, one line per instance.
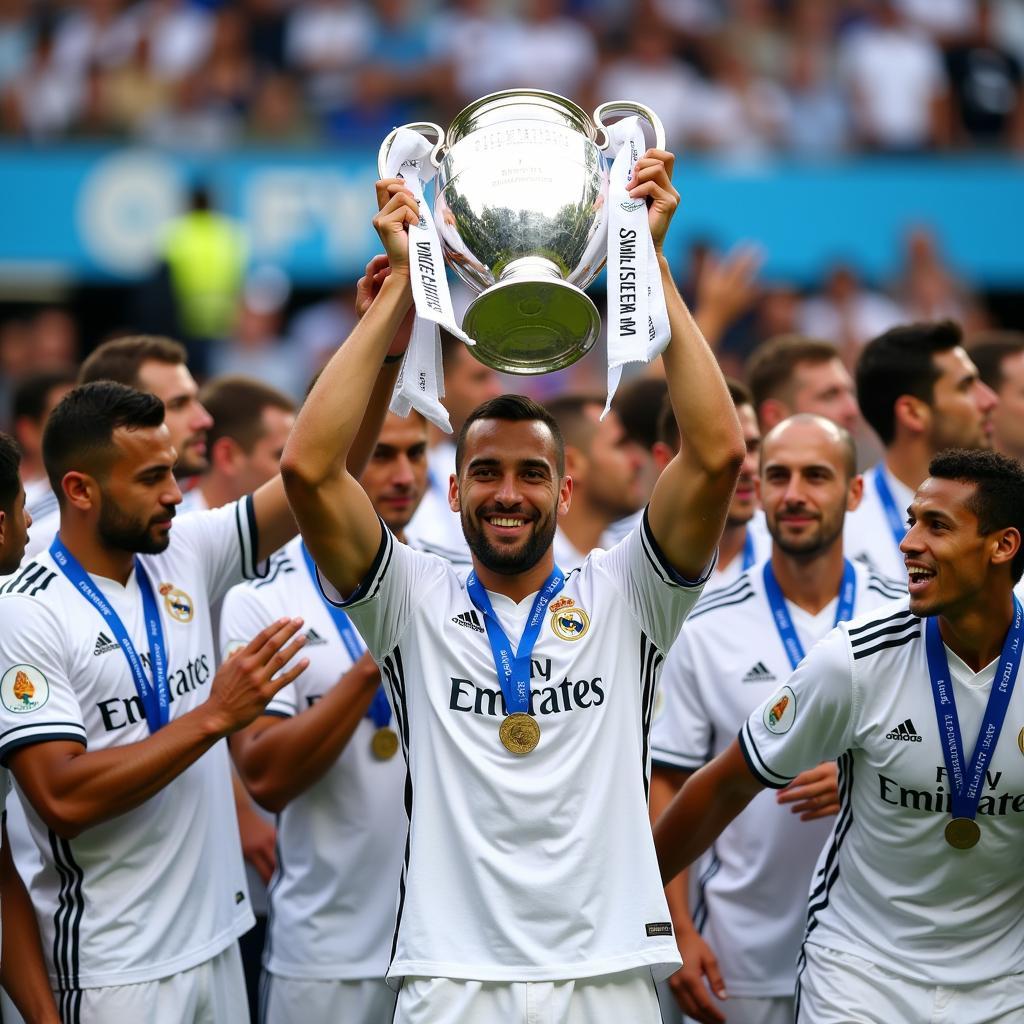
column 274, row 518
column 73, row 789
column 690, row 499
column 709, row 800
column 22, row 971
column 699, row 962
column 337, row 520
column 280, row 758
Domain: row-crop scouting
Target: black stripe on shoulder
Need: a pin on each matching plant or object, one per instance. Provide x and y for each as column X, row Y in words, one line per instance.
column 42, row 584
column 896, row 642
column 739, row 584
column 886, row 592
column 8, row 587
column 905, row 613
column 702, row 609
column 866, row 639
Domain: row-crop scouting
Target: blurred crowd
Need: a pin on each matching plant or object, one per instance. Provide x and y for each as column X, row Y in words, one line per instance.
column 736, row 78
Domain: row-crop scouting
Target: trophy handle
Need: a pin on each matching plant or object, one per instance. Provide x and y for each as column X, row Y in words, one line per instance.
column 427, row 129
column 626, row 108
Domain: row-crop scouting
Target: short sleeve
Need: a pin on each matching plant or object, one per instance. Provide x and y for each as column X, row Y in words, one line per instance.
column 682, row 733
column 244, row 613
column 657, row 595
column 225, row 541
column 806, row 721
column 399, row 580
column 37, row 700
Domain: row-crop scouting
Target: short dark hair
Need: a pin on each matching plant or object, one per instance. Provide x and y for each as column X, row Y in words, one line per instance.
column 998, row 499
column 30, row 395
column 638, row 405
column 988, row 351
column 772, row 365
column 514, row 409
column 899, row 362
column 668, row 429
column 236, row 404
column 79, row 432
column 120, row 359
column 569, row 411
column 10, row 479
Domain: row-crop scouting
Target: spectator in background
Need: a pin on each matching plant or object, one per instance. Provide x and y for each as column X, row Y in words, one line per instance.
column 817, row 120
column 648, row 71
column 277, row 113
column 206, row 254
column 944, row 20
column 179, row 33
column 16, row 36
column 896, row 83
column 96, row 33
column 848, row 313
column 999, row 356
column 35, row 398
column 928, row 289
column 257, row 346
column 315, row 330
column 792, row 374
column 985, row 78
column 328, row 41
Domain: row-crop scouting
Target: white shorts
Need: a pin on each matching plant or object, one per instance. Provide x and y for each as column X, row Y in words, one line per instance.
column 210, row 993
column 629, row 996
column 305, row 1001
column 753, row 1010
column 840, row 988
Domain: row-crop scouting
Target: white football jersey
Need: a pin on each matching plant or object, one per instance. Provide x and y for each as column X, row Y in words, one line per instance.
column 160, row 888
column 887, row 887
column 542, row 866
column 5, row 785
column 341, row 842
column 41, row 504
column 751, row 904
column 868, row 535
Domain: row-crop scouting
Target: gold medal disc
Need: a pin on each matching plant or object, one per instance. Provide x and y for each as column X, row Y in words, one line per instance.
column 962, row 833
column 384, row 744
column 519, row 733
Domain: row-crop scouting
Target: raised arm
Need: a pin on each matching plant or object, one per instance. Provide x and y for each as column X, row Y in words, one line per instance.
column 709, row 800
column 692, row 495
column 274, row 519
column 336, row 519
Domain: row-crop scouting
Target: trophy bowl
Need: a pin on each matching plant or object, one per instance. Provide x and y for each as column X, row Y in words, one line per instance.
column 520, row 208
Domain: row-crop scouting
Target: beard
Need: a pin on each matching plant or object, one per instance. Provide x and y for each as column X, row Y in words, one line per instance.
column 808, row 546
column 509, row 562
column 128, row 533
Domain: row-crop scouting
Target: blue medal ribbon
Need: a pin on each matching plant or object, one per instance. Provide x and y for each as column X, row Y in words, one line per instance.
column 748, row 550
column 380, row 709
column 514, row 669
column 895, row 518
column 784, row 621
column 965, row 782
column 155, row 696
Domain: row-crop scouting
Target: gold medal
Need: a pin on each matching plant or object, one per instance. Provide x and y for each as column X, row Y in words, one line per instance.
column 519, row 733
column 384, row 744
column 962, row 833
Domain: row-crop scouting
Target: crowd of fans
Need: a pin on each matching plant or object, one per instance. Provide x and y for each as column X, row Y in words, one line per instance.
column 737, row 78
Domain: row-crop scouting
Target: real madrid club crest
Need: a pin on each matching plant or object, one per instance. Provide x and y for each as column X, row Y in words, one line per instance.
column 178, row 604
column 568, row 621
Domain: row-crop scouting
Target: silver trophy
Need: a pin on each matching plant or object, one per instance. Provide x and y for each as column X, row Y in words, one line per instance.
column 520, row 208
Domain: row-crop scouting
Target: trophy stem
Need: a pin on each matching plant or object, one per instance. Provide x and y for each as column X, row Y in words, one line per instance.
column 532, row 320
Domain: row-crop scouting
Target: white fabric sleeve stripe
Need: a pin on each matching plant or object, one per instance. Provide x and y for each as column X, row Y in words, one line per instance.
column 756, row 763
column 665, row 570
column 368, row 588
column 41, row 732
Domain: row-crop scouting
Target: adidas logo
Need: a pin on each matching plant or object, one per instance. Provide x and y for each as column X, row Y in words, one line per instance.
column 904, row 731
column 760, row 673
column 470, row 620
column 104, row 645
column 313, row 637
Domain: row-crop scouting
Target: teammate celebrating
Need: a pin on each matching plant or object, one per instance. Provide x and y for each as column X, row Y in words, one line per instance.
column 920, row 392
column 753, row 889
column 110, row 720
column 917, row 906
column 323, row 758
column 527, row 887
column 22, row 971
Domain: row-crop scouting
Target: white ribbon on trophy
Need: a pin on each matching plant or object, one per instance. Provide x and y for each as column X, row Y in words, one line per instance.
column 420, row 383
column 638, row 328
